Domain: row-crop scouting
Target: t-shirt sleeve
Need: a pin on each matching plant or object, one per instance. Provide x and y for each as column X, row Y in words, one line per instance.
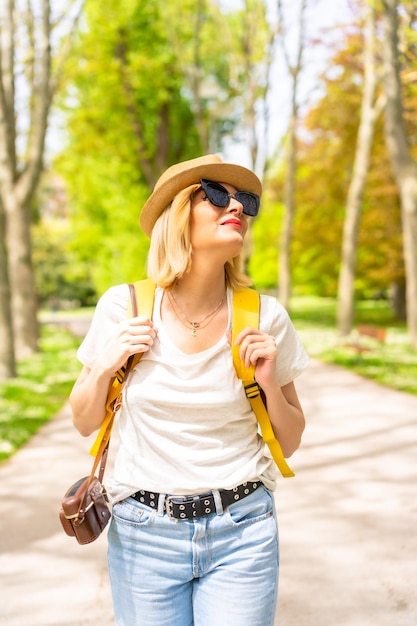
column 110, row 310
column 292, row 358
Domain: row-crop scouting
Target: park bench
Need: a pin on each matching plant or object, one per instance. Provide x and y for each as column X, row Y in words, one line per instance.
column 367, row 337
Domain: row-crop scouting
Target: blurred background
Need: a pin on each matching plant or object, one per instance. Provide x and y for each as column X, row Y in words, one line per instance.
column 98, row 98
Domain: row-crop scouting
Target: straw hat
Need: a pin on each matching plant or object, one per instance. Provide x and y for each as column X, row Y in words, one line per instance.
column 182, row 175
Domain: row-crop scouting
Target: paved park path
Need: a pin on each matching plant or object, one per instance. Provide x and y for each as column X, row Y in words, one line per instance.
column 348, row 520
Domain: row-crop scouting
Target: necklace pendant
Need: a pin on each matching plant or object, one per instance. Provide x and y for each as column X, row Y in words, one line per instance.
column 193, row 326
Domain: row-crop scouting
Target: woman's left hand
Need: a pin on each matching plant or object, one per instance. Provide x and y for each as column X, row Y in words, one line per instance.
column 284, row 409
column 259, row 349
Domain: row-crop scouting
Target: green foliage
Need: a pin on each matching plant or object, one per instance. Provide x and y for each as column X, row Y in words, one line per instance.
column 104, row 222
column 326, row 161
column 148, row 85
column 127, row 120
column 61, row 276
column 325, row 158
column 263, row 266
column 44, row 383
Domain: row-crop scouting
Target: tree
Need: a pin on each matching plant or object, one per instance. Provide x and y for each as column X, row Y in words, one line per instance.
column 294, row 69
column 27, row 85
column 149, row 86
column 326, row 159
column 326, row 148
column 203, row 60
column 128, row 118
column 403, row 163
column 7, row 354
column 370, row 111
column 255, row 45
column 254, row 38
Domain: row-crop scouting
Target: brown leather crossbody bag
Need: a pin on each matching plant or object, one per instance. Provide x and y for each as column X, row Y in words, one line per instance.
column 85, row 511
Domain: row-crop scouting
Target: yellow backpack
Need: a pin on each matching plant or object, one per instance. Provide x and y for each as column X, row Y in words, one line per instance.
column 245, row 312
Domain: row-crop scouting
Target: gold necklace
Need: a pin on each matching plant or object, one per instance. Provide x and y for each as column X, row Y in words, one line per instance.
column 194, row 326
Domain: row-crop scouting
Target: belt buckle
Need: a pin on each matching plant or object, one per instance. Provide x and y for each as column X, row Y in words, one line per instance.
column 169, row 501
column 168, row 506
column 189, row 507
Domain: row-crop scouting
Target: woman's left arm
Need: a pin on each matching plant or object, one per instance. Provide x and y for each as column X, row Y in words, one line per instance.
column 284, row 409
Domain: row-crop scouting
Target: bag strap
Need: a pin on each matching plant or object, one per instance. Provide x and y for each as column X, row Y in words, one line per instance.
column 141, row 300
column 246, row 306
column 103, row 439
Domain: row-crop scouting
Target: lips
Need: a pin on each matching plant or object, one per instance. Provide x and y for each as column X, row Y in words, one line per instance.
column 232, row 222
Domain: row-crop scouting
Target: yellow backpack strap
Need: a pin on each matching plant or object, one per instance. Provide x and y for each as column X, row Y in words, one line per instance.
column 246, row 304
column 145, row 292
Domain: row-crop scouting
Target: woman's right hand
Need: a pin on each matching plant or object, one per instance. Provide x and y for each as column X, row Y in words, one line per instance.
column 134, row 335
column 89, row 394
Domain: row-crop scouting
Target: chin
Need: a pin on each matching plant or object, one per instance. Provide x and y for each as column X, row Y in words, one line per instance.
column 235, row 249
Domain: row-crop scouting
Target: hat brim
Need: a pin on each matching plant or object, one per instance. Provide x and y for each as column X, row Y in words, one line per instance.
column 238, row 176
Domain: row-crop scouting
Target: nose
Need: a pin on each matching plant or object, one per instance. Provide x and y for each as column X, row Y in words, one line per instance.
column 234, row 205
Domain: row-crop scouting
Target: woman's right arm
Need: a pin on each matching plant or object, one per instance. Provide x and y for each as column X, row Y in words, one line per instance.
column 88, row 399
column 89, row 394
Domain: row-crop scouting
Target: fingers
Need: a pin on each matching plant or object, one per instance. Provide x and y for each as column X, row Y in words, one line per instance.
column 134, row 335
column 137, row 334
column 255, row 345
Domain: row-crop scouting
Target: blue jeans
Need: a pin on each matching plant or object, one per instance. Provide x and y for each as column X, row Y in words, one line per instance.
column 216, row 570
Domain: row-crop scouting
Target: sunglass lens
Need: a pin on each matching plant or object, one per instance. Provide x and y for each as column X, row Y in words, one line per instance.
column 249, row 202
column 217, row 194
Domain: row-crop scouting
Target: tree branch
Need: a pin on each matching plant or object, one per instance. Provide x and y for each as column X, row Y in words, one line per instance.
column 31, row 56
column 41, row 105
column 7, row 97
column 66, row 49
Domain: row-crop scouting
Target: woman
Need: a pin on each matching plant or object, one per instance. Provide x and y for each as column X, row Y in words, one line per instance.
column 186, row 426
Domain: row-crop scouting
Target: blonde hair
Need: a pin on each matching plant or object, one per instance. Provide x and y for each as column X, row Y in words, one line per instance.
column 169, row 257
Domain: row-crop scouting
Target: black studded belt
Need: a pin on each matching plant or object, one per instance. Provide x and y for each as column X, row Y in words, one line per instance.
column 190, row 507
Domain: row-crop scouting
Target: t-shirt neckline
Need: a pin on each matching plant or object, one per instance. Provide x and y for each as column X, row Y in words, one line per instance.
column 164, row 336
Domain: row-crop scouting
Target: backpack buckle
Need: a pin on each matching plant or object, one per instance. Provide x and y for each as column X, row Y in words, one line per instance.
column 120, row 374
column 252, row 390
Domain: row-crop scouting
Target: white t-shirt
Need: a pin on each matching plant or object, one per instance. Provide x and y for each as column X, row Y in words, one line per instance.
column 185, row 425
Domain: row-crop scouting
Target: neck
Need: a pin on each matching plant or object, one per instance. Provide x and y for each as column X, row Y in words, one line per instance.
column 200, row 292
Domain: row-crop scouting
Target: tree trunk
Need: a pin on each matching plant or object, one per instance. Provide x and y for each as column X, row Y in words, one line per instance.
column 7, row 161
column 24, row 299
column 25, row 59
column 288, row 217
column 369, row 114
column 398, row 301
column 17, row 185
column 404, row 167
column 294, row 69
column 202, row 126
column 7, row 355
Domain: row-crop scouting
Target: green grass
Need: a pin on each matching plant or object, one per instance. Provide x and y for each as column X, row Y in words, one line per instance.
column 41, row 389
column 45, row 379
column 392, row 363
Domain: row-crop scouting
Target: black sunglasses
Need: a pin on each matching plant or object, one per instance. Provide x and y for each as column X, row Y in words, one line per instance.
column 219, row 196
